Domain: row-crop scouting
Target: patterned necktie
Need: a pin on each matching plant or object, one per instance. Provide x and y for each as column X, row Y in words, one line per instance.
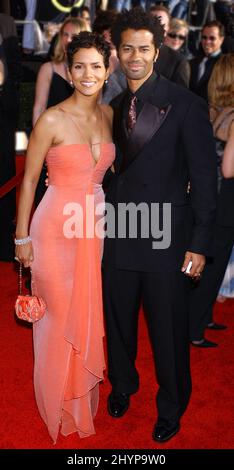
column 131, row 119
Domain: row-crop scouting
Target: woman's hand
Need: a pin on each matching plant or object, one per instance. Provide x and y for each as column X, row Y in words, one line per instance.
column 24, row 254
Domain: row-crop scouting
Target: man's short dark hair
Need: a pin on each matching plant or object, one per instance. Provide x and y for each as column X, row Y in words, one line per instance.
column 215, row 24
column 137, row 18
column 86, row 40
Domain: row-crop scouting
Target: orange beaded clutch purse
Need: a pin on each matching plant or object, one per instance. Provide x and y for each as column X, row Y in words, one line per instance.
column 30, row 308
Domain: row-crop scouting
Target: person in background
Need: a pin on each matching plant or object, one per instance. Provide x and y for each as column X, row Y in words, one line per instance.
column 82, row 13
column 177, row 36
column 204, row 294
column 227, row 167
column 50, row 30
column 85, row 15
column 212, row 37
column 102, row 25
column 226, row 290
column 28, row 41
column 117, row 81
column 93, row 6
column 53, row 83
column 171, row 64
column 75, row 137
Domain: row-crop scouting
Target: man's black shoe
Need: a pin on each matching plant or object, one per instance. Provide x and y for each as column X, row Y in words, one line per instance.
column 204, row 344
column 118, row 404
column 216, row 326
column 162, row 433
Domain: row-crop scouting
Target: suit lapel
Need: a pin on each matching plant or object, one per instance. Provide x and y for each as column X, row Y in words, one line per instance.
column 153, row 114
column 148, row 123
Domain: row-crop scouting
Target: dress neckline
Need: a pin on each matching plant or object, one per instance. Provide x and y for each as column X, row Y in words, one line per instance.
column 90, row 145
column 84, row 144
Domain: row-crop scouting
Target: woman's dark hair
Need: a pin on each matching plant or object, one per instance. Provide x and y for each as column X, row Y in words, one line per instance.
column 86, row 40
column 137, row 18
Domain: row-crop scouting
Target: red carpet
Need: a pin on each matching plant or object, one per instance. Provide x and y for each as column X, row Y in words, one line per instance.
column 207, row 423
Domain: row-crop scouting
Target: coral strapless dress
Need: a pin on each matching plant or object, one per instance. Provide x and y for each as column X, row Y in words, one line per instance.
column 68, row 340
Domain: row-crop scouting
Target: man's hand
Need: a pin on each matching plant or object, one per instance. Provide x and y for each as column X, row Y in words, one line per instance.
column 198, row 264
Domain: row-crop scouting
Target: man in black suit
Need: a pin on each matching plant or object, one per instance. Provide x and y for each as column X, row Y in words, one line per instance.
column 212, row 37
column 173, row 66
column 203, row 295
column 170, row 144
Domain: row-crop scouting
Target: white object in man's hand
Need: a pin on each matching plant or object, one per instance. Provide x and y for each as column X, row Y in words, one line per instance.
column 188, row 269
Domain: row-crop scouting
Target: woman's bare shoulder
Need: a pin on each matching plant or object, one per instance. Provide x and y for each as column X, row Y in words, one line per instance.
column 46, row 69
column 51, row 117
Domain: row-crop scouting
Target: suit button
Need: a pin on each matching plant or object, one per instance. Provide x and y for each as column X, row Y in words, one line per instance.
column 144, row 185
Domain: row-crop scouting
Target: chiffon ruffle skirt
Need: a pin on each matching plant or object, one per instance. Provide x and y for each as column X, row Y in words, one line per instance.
column 66, row 272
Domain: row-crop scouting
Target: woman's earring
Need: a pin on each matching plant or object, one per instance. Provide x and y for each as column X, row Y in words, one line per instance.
column 71, row 83
column 106, row 81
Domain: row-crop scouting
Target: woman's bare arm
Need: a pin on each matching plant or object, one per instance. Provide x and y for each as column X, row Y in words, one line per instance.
column 40, row 141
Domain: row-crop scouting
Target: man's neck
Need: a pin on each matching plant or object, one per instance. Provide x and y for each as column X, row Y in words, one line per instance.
column 134, row 85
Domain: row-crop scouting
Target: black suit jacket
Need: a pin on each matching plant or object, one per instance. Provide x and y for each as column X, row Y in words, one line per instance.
column 225, row 206
column 200, row 87
column 173, row 66
column 171, row 143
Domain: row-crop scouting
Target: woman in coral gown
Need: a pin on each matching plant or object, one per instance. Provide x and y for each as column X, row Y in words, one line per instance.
column 64, row 253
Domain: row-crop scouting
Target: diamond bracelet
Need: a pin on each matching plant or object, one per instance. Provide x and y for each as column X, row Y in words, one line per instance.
column 22, row 241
